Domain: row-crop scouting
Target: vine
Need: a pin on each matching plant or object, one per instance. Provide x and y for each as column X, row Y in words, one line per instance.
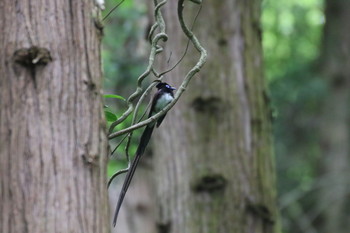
column 139, row 92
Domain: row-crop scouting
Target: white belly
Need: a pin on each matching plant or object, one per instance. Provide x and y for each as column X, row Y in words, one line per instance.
column 164, row 101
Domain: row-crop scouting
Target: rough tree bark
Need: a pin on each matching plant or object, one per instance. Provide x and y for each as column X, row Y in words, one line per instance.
column 335, row 64
column 53, row 145
column 213, row 154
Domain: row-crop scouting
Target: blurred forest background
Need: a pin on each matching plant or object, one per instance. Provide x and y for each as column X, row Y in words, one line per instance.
column 307, row 69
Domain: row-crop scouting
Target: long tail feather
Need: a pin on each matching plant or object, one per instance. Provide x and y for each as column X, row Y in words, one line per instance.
column 146, row 135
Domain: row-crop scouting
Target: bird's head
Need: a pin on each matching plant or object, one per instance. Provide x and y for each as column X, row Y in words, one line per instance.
column 165, row 86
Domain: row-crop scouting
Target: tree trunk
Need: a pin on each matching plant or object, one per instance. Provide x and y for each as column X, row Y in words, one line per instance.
column 213, row 154
column 335, row 63
column 53, row 145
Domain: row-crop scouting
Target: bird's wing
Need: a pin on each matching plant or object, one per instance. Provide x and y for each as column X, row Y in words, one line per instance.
column 153, row 105
column 160, row 119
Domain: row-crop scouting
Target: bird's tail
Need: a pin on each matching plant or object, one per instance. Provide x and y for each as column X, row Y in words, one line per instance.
column 146, row 135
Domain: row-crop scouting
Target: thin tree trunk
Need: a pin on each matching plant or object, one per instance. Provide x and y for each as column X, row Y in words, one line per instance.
column 53, row 145
column 335, row 60
column 213, row 154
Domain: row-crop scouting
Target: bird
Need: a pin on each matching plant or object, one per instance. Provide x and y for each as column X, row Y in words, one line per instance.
column 163, row 96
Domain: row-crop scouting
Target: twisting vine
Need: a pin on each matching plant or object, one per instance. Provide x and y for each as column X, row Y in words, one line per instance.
column 155, row 49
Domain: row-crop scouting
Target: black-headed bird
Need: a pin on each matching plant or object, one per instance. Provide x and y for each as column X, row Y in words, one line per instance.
column 161, row 98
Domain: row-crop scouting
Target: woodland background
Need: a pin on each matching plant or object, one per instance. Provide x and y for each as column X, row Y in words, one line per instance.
column 308, row 117
column 269, row 109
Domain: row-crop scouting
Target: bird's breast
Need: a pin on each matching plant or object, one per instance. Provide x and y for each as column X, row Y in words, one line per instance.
column 163, row 101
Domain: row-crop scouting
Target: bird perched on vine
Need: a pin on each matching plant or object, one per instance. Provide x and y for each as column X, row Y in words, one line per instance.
column 161, row 98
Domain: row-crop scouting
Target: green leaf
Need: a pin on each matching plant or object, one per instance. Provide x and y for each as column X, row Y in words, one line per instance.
column 114, row 97
column 110, row 116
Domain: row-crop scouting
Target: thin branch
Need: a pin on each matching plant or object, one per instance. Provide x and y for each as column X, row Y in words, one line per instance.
column 118, row 145
column 134, row 119
column 155, row 49
column 187, row 79
column 187, row 45
column 139, row 81
column 113, row 10
column 196, row 1
column 117, row 174
column 127, row 146
column 182, row 88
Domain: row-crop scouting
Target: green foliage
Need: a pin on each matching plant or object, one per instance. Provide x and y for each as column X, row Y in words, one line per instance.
column 123, row 61
column 114, row 165
column 114, row 96
column 110, row 116
column 291, row 43
column 291, row 34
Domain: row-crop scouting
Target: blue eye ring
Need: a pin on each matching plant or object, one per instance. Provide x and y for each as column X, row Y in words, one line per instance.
column 167, row 86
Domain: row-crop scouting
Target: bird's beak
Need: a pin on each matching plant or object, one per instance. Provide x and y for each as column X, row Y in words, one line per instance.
column 173, row 88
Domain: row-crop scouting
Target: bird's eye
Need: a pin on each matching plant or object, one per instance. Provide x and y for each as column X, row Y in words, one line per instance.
column 167, row 86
